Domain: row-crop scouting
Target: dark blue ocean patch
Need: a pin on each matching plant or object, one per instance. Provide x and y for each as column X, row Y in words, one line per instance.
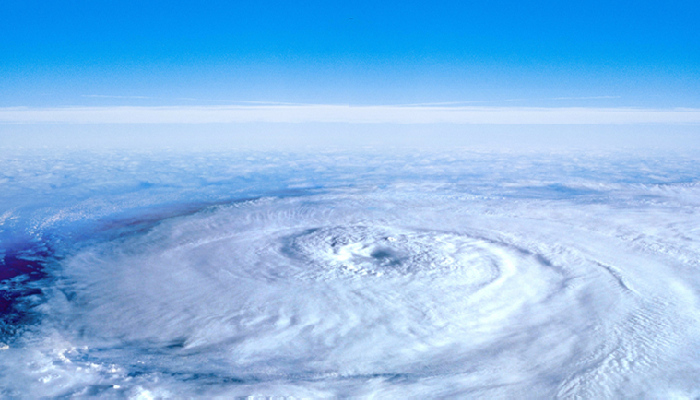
column 21, row 268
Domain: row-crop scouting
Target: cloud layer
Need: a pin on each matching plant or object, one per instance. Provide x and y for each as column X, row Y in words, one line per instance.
column 348, row 114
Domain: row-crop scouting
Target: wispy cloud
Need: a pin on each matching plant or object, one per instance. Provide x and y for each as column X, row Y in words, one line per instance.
column 567, row 98
column 445, row 103
column 348, row 114
column 586, row 98
column 199, row 100
column 107, row 96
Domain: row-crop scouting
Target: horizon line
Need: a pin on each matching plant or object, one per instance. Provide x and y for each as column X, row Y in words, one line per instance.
column 336, row 113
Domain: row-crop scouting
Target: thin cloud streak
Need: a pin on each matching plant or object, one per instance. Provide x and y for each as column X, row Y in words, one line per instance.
column 566, row 98
column 106, row 96
column 348, row 114
column 229, row 102
column 586, row 98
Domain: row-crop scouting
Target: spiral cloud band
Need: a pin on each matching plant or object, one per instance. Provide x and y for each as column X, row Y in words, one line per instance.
column 389, row 291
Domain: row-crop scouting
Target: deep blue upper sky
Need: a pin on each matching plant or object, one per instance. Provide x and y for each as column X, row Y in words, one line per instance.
column 602, row 53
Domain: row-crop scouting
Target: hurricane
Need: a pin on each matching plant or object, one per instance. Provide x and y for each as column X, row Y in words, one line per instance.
column 345, row 275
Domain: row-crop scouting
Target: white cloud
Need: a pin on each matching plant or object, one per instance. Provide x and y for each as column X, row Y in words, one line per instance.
column 348, row 114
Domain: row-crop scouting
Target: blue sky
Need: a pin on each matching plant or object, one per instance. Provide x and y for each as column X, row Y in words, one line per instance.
column 495, row 53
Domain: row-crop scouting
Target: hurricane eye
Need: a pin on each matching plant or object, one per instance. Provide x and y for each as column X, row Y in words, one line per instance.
column 383, row 254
